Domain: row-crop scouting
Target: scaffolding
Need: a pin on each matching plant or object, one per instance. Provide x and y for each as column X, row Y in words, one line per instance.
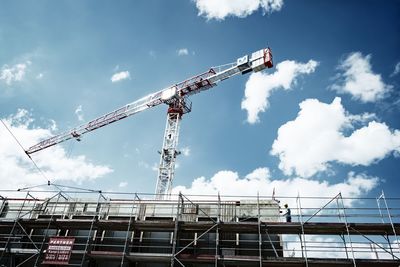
column 134, row 229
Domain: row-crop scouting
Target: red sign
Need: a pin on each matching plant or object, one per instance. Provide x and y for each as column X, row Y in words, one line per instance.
column 59, row 250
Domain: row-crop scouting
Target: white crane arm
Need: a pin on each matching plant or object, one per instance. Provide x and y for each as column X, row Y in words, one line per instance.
column 257, row 61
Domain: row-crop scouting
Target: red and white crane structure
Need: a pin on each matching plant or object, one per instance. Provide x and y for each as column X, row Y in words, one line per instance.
column 176, row 97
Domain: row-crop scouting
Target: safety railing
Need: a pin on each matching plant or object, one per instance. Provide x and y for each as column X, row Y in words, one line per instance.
column 129, row 225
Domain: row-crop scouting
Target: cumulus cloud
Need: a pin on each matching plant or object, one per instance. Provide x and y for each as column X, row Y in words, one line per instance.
column 325, row 133
column 218, row 10
column 259, row 181
column 15, row 73
column 357, row 79
column 79, row 113
column 260, row 85
column 119, row 76
column 183, row 52
column 396, row 69
column 16, row 170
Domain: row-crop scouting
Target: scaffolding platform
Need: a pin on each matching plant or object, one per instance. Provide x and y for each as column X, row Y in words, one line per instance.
column 111, row 229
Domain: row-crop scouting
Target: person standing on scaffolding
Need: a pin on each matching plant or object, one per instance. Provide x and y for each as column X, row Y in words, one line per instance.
column 288, row 214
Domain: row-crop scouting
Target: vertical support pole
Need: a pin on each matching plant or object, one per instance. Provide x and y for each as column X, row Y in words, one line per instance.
column 389, row 245
column 302, row 230
column 23, row 205
column 373, row 249
column 127, row 231
column 387, row 238
column 179, row 207
column 390, row 220
column 259, row 229
column 338, row 209
column 347, row 230
column 379, row 208
column 340, row 220
column 217, row 231
column 46, row 231
column 345, row 246
column 12, row 229
column 90, row 231
column 301, row 246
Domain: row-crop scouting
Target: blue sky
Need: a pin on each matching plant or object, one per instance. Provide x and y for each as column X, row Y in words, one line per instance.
column 325, row 118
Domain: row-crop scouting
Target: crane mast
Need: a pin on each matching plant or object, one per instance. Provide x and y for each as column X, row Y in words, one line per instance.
column 176, row 97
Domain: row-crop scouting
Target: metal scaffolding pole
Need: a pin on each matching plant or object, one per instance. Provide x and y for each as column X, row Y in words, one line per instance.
column 16, row 222
column 179, row 206
column 390, row 220
column 47, row 230
column 91, row 229
column 341, row 220
column 217, row 231
column 303, row 239
column 198, row 237
column 345, row 245
column 11, row 233
column 259, row 229
column 383, row 221
column 127, row 230
column 347, row 229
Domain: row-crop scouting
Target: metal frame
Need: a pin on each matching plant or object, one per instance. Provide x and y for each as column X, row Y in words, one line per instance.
column 306, row 216
column 166, row 170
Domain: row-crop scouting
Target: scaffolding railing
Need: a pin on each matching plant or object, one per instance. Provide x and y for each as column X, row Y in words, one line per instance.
column 129, row 226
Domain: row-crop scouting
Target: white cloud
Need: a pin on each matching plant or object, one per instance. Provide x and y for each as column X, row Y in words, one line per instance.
column 333, row 247
column 183, row 52
column 39, row 76
column 396, row 69
column 122, row 184
column 14, row 73
column 260, row 85
column 320, row 135
column 17, row 171
column 120, row 76
column 79, row 113
column 358, row 79
column 185, row 151
column 259, row 181
column 220, row 9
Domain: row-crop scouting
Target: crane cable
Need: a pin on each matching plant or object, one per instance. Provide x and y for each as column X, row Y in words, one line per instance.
column 37, row 167
column 34, row 163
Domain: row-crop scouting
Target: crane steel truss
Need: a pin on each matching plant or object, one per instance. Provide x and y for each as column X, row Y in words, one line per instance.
column 176, row 97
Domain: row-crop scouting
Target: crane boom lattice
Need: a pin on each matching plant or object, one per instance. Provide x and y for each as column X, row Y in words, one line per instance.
column 176, row 97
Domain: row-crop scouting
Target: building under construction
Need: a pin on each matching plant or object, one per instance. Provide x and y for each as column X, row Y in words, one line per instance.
column 94, row 228
column 78, row 228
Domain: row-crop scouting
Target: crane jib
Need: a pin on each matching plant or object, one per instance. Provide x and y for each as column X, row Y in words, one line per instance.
column 97, row 124
column 256, row 61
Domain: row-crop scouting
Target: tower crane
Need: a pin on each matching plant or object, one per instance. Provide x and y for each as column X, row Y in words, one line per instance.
column 176, row 97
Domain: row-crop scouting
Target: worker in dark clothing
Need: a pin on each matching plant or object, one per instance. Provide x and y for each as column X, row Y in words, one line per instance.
column 288, row 213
